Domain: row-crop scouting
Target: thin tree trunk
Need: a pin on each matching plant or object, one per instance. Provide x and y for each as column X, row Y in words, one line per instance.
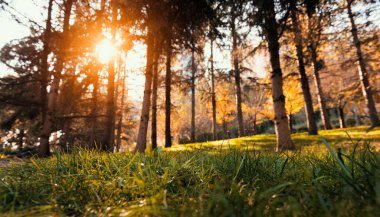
column 168, row 139
column 154, row 95
column 363, row 74
column 109, row 134
column 291, row 123
column 45, row 63
column 20, row 140
column 213, row 96
column 317, row 67
column 284, row 141
column 237, row 79
column 309, row 110
column 356, row 115
column 143, row 128
column 120, row 117
column 193, row 71
column 94, row 112
column 43, row 148
column 342, row 123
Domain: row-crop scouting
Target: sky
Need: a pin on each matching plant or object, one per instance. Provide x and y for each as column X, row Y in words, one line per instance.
column 13, row 30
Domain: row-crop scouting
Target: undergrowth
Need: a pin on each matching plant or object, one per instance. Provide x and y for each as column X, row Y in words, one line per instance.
column 195, row 183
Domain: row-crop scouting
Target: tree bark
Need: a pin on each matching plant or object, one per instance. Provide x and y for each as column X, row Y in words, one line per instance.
column 120, row 116
column 109, row 134
column 44, row 148
column 309, row 110
column 342, row 123
column 143, row 128
column 284, row 141
column 317, row 80
column 237, row 78
column 94, row 112
column 20, row 140
column 45, row 64
column 168, row 78
column 193, row 72
column 154, row 95
column 291, row 123
column 363, row 74
column 213, row 96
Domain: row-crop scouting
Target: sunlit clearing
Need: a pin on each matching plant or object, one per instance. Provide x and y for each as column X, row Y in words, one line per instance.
column 105, row 51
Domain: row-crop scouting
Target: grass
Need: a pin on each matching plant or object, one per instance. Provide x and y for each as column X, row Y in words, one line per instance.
column 267, row 142
column 193, row 182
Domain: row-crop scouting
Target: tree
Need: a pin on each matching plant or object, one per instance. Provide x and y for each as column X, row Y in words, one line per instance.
column 363, row 74
column 109, row 135
column 265, row 16
column 44, row 149
column 235, row 14
column 155, row 93
column 309, row 110
column 315, row 28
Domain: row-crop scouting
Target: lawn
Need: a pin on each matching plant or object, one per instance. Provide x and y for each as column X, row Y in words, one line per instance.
column 267, row 142
column 204, row 180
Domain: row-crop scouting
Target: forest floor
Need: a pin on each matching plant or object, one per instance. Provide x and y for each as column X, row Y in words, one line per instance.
column 223, row 178
column 267, row 142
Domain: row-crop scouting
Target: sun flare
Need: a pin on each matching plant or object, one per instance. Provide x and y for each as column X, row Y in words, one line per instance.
column 105, row 51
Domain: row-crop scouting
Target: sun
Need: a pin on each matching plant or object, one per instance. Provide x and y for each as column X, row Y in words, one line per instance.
column 105, row 51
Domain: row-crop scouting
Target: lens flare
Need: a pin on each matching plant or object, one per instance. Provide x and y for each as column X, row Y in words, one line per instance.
column 105, row 51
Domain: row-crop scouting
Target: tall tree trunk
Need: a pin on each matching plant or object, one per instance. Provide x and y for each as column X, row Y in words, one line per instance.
column 154, row 94
column 168, row 78
column 291, row 122
column 94, row 112
column 43, row 148
column 309, row 110
column 45, row 64
column 120, row 116
column 363, row 74
column 317, row 80
column 356, row 115
column 143, row 128
column 109, row 134
column 237, row 78
column 193, row 71
column 284, row 141
column 342, row 123
column 213, row 96
column 20, row 139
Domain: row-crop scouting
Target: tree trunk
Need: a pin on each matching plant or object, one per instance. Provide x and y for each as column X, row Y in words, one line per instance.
column 284, row 141
column 143, row 128
column 317, row 67
column 120, row 117
column 20, row 140
column 291, row 123
column 154, row 95
column 309, row 110
column 363, row 74
column 109, row 134
column 43, row 148
column 193, row 71
column 213, row 96
column 340, row 111
column 45, row 63
column 168, row 78
column 237, row 79
column 356, row 115
column 94, row 113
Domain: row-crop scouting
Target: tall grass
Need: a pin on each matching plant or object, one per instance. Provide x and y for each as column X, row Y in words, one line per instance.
column 195, row 183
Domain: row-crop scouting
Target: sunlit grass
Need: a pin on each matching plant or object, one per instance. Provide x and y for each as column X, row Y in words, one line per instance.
column 267, row 142
column 199, row 182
